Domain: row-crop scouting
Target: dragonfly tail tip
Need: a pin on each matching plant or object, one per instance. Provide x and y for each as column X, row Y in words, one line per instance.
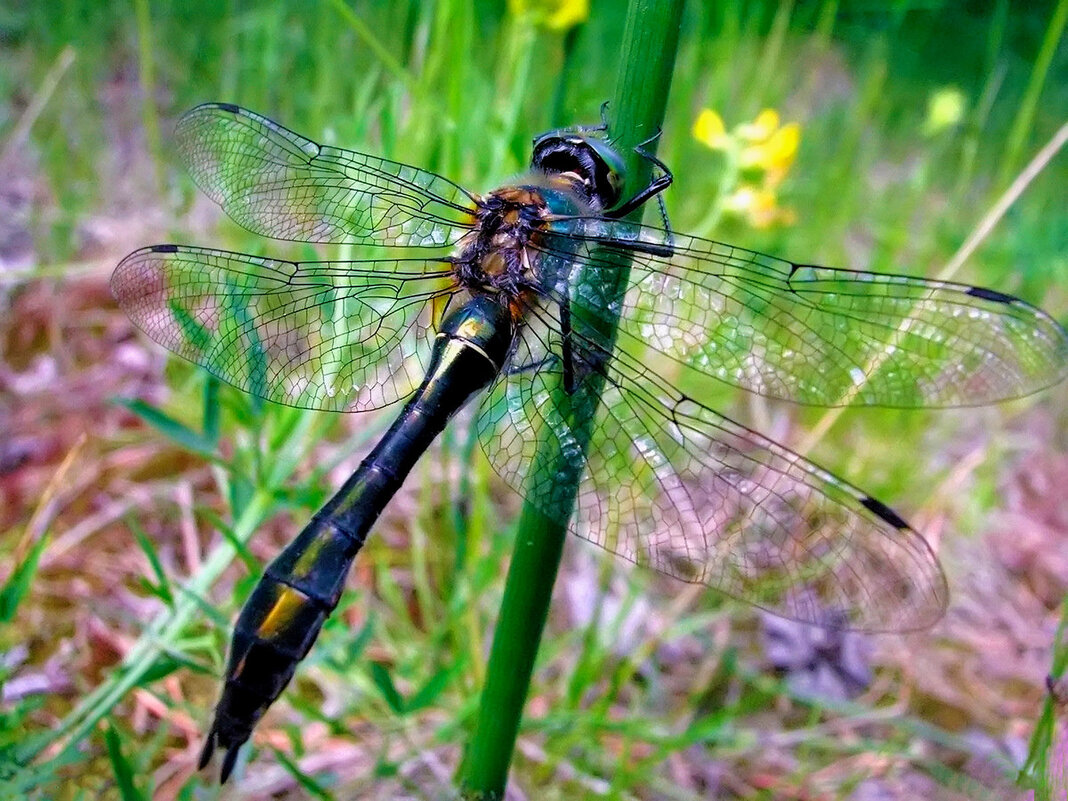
column 207, row 751
column 228, row 762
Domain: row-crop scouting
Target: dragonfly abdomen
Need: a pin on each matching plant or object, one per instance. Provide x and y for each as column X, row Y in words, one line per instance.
column 301, row 587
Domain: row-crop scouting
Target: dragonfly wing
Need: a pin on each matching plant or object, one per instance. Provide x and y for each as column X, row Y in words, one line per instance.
column 823, row 336
column 277, row 183
column 340, row 336
column 671, row 484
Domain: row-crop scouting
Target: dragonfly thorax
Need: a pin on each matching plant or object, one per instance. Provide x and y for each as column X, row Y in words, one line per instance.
column 494, row 257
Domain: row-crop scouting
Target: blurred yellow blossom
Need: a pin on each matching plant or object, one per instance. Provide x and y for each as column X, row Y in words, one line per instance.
column 710, row 130
column 759, row 154
column 759, row 206
column 556, row 15
column 759, row 129
column 749, row 199
column 945, row 108
column 780, row 149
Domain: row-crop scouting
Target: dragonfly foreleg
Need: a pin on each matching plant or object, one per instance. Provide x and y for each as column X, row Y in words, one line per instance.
column 656, row 186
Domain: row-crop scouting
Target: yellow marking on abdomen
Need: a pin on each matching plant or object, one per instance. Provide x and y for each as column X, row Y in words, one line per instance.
column 288, row 604
column 309, row 560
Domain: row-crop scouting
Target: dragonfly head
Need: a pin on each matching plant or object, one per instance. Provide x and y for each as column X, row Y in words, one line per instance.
column 586, row 161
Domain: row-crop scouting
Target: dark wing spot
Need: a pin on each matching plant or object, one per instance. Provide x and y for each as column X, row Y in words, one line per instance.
column 230, row 107
column 164, row 249
column 880, row 509
column 990, row 294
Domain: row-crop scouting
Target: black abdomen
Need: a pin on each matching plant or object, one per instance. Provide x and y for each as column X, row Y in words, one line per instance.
column 301, row 587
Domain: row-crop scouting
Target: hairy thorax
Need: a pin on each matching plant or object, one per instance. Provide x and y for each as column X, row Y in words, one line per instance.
column 501, row 254
column 495, row 256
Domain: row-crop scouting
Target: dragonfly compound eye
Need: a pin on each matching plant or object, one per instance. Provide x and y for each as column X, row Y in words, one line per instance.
column 591, row 161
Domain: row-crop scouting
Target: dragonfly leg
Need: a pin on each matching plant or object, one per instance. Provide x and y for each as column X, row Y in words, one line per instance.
column 530, row 367
column 657, row 185
column 566, row 351
column 665, row 173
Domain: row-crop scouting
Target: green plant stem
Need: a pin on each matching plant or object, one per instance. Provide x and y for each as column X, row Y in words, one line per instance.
column 637, row 109
column 1025, row 114
column 147, row 68
column 1041, row 772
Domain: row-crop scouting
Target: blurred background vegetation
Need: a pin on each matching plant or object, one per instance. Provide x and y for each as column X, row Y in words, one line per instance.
column 851, row 133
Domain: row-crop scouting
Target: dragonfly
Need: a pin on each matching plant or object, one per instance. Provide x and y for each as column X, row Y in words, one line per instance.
column 514, row 295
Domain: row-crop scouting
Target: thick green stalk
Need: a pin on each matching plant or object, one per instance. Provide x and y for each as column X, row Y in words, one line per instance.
column 636, row 112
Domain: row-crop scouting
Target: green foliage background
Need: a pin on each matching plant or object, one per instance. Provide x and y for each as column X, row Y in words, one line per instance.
column 134, row 611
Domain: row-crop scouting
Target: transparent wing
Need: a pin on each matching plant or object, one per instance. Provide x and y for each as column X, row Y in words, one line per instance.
column 669, row 483
column 340, row 336
column 817, row 335
column 277, row 183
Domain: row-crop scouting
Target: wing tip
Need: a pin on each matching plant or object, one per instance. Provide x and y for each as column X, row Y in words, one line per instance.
column 213, row 106
column 136, row 276
column 929, row 599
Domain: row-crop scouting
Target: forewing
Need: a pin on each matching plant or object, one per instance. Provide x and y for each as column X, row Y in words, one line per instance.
column 823, row 336
column 277, row 183
column 340, row 336
column 669, row 483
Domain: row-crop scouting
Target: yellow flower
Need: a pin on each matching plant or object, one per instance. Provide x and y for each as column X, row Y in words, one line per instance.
column 741, row 200
column 781, row 148
column 556, row 15
column 945, row 108
column 761, row 144
column 761, row 128
column 759, row 155
column 710, row 130
column 758, row 205
column 753, row 203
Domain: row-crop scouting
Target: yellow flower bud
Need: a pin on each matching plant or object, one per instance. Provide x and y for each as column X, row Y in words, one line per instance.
column 945, row 108
column 709, row 130
column 555, row 15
